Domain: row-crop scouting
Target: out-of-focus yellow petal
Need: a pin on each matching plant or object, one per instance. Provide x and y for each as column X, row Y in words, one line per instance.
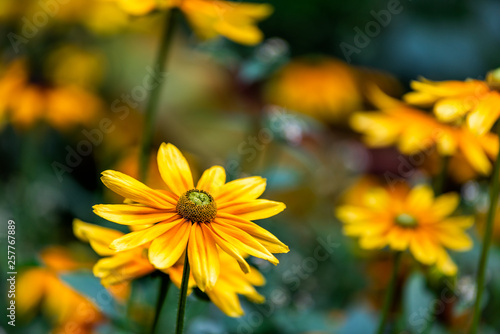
column 30, row 288
column 452, row 109
column 474, row 154
column 423, row 248
column 99, row 237
column 420, row 198
column 487, row 111
column 444, row 205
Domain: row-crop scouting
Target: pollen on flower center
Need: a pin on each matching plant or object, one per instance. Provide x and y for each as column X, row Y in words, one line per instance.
column 406, row 220
column 197, row 205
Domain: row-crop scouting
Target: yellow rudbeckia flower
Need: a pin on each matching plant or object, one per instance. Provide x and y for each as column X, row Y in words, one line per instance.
column 65, row 307
column 413, row 131
column 193, row 219
column 121, row 267
column 477, row 100
column 409, row 219
column 236, row 21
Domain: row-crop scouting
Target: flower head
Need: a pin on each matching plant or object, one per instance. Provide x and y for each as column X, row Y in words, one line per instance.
column 475, row 100
column 413, row 131
column 205, row 220
column 409, row 219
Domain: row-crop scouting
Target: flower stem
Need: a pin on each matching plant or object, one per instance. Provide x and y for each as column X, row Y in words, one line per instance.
column 164, row 285
column 389, row 293
column 440, row 179
column 488, row 233
column 147, row 135
column 182, row 296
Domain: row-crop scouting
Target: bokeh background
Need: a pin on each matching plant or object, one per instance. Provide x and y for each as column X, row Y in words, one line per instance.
column 278, row 109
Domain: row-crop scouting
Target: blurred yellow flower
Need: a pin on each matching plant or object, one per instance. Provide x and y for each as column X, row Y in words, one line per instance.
column 59, row 302
column 193, row 219
column 476, row 100
column 413, row 131
column 236, row 21
column 120, row 267
column 322, row 87
column 116, row 267
column 24, row 102
column 409, row 219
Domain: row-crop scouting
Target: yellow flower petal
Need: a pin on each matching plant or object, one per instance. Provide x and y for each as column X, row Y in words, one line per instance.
column 245, row 189
column 99, row 237
column 373, row 242
column 445, row 205
column 263, row 236
column 138, row 238
column 130, row 188
column 445, row 264
column 252, row 210
column 243, row 241
column 226, row 301
column 212, row 179
column 423, row 248
column 203, row 257
column 169, row 247
column 474, row 154
column 31, row 285
column 453, row 239
column 420, row 198
column 231, row 250
column 133, row 214
column 487, row 111
column 452, row 109
column 174, row 169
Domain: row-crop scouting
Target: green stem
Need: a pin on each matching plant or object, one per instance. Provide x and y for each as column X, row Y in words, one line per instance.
column 147, row 136
column 488, row 233
column 182, row 296
column 440, row 179
column 164, row 285
column 389, row 293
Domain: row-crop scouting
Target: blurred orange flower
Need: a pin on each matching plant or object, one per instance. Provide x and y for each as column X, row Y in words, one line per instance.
column 68, row 310
column 409, row 219
column 322, row 87
column 477, row 100
column 210, row 18
column 413, row 131
column 25, row 102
